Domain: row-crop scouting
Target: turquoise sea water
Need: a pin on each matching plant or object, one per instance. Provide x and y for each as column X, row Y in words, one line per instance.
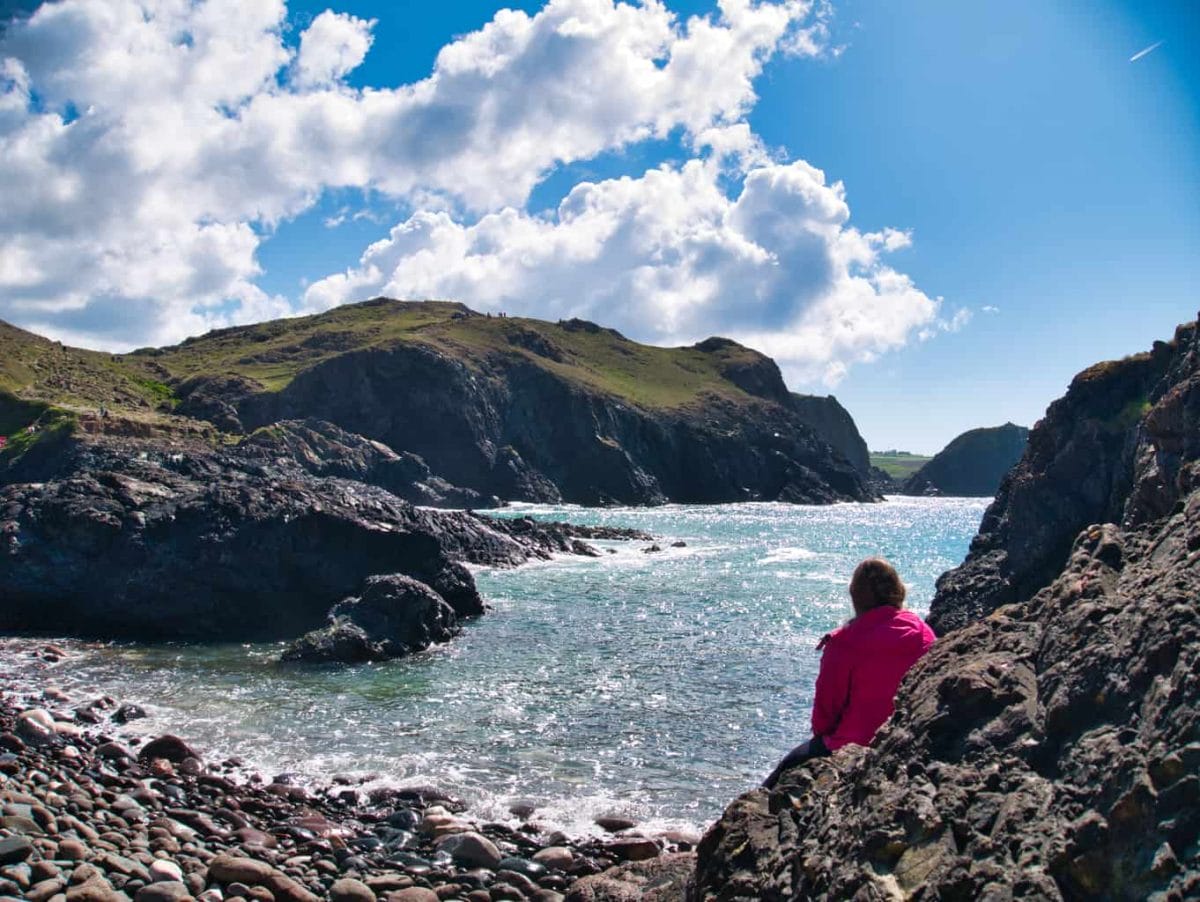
column 658, row 685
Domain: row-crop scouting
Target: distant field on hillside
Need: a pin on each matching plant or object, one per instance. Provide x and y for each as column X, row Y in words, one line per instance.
column 899, row 466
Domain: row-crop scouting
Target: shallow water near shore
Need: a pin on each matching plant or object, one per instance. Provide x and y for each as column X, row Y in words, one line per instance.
column 657, row 685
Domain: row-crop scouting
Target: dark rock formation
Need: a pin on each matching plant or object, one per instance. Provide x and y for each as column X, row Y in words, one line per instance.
column 1078, row 468
column 156, row 539
column 1050, row 750
column 834, row 425
column 323, row 449
column 882, row 482
column 972, row 465
column 394, row 616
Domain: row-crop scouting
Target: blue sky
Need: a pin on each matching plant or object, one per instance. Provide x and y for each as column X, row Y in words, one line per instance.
column 1018, row 199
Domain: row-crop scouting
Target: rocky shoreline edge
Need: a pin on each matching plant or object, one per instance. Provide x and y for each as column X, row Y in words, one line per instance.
column 87, row 815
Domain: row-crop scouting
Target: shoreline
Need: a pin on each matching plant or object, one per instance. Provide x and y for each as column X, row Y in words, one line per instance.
column 92, row 812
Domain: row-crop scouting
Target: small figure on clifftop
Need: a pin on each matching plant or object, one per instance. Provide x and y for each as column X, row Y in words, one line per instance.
column 862, row 665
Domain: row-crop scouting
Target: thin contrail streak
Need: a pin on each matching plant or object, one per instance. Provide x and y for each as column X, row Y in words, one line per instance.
column 1137, row 56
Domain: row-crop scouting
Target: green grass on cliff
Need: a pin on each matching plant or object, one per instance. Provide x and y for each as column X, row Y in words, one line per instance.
column 273, row 353
column 899, row 466
column 26, row 424
column 33, row 368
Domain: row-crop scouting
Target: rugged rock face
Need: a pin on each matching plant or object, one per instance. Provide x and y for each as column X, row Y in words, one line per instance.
column 835, row 426
column 323, row 449
column 1078, row 469
column 149, row 539
column 1050, row 750
column 516, row 430
column 972, row 465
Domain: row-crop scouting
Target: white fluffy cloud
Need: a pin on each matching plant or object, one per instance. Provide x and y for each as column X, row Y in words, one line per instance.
column 146, row 145
column 669, row 258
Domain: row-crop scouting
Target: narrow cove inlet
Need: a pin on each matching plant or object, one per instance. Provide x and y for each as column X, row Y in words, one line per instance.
column 657, row 685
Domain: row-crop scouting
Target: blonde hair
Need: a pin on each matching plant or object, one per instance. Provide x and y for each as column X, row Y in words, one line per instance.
column 876, row 583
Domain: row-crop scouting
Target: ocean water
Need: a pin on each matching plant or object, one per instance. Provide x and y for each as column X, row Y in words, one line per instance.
column 655, row 685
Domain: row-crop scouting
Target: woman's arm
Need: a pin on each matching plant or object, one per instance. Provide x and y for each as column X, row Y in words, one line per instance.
column 833, row 689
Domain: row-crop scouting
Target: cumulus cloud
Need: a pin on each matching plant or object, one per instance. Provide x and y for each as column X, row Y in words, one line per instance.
column 670, row 258
column 331, row 47
column 147, row 146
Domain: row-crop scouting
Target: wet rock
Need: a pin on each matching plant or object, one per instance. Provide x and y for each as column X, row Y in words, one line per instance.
column 394, row 616
column 534, row 870
column 522, row 808
column 113, row 751
column 35, row 725
column 614, row 823
column 633, row 848
column 128, row 713
column 168, row 747
column 471, row 850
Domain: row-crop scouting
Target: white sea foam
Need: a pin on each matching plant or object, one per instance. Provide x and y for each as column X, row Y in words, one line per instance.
column 787, row 555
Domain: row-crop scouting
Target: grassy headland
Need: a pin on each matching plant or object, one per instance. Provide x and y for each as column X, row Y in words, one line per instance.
column 898, row 464
column 273, row 353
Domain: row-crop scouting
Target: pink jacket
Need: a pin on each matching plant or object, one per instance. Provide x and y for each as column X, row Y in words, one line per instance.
column 861, row 669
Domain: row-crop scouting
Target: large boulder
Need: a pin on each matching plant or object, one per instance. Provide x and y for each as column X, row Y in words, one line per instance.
column 395, row 616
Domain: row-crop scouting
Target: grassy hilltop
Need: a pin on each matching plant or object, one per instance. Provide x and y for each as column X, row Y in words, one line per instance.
column 35, row 372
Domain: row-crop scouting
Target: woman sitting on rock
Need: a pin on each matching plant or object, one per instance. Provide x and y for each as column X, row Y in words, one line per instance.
column 862, row 665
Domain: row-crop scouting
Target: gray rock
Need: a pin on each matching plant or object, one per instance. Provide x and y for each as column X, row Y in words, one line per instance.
column 14, row 849
column 470, row 850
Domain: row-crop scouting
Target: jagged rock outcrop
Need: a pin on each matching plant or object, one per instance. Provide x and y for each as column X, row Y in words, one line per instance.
column 972, row 465
column 1077, row 469
column 1048, row 746
column 167, row 539
column 323, row 449
column 835, row 426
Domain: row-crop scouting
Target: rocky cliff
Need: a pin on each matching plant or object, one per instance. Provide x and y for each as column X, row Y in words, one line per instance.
column 486, row 406
column 833, row 423
column 1048, row 747
column 973, row 464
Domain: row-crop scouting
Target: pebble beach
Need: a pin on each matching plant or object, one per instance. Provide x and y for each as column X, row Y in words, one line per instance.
column 89, row 812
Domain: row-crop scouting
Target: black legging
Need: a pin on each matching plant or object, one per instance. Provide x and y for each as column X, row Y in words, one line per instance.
column 814, row 748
